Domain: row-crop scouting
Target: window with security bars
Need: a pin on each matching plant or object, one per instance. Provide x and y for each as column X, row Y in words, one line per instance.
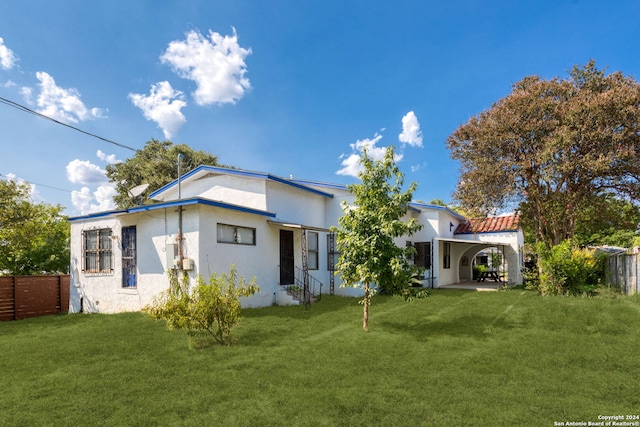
column 97, row 252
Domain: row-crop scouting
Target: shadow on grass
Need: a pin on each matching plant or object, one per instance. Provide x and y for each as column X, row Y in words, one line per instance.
column 328, row 304
column 466, row 326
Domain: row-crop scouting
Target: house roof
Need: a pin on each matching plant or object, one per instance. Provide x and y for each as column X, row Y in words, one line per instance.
column 492, row 224
column 176, row 203
column 204, row 170
column 419, row 206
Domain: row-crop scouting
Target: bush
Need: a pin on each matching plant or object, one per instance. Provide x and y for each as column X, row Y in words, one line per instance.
column 566, row 270
column 208, row 311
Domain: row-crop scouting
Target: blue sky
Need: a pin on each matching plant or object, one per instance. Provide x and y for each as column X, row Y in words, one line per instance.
column 286, row 87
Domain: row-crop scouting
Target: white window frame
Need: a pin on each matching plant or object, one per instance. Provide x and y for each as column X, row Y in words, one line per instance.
column 234, row 233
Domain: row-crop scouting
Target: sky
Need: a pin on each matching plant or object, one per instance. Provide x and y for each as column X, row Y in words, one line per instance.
column 288, row 87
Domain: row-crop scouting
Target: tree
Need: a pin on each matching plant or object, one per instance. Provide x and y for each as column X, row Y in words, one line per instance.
column 210, row 309
column 366, row 233
column 550, row 148
column 34, row 237
column 156, row 165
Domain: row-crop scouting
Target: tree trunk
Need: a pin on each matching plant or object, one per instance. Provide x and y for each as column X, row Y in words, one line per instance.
column 365, row 318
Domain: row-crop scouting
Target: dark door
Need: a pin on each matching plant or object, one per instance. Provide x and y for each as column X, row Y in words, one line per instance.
column 129, row 257
column 286, row 257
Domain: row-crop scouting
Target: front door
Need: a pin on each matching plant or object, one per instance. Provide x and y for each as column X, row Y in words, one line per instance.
column 286, row 257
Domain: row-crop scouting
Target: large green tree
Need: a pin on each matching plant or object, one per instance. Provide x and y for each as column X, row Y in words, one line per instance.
column 34, row 237
column 156, row 165
column 366, row 232
column 551, row 148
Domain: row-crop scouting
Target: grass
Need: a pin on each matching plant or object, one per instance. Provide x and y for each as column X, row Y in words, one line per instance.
column 454, row 358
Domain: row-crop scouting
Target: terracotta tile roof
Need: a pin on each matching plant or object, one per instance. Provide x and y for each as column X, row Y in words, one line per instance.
column 491, row 224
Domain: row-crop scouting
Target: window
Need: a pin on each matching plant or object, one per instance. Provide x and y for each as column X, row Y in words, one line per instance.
column 422, row 257
column 312, row 250
column 129, row 255
column 332, row 253
column 97, row 252
column 237, row 235
column 446, row 259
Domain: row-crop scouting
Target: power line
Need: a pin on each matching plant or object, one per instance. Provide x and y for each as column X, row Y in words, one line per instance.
column 42, row 116
column 9, row 178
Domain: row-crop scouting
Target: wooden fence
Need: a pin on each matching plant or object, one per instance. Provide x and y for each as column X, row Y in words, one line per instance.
column 32, row 296
column 622, row 273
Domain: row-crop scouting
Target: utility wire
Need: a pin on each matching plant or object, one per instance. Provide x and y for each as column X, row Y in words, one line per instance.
column 42, row 116
column 9, row 178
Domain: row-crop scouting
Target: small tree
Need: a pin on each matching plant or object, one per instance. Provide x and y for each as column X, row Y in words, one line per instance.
column 366, row 233
column 212, row 309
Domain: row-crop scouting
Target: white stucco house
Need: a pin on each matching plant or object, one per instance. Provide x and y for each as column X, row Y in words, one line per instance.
column 276, row 229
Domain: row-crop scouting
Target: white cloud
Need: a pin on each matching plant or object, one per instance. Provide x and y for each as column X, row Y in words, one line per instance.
column 351, row 165
column 84, row 172
column 87, row 174
column 61, row 104
column 216, row 64
column 26, row 93
column 411, row 133
column 107, row 158
column 7, row 57
column 416, row 168
column 100, row 200
column 162, row 106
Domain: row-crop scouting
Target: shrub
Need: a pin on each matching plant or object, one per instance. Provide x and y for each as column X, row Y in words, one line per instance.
column 209, row 310
column 567, row 270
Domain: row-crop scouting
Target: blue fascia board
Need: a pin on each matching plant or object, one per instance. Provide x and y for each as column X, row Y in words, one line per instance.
column 200, row 201
column 299, row 186
column 96, row 215
column 439, row 208
column 239, row 172
column 321, row 184
column 176, row 203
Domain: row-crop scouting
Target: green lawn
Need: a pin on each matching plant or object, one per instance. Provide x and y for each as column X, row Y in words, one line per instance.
column 455, row 358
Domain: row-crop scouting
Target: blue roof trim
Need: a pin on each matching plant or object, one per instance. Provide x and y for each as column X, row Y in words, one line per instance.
column 240, row 172
column 320, row 184
column 177, row 203
column 299, row 186
column 439, row 208
column 97, row 215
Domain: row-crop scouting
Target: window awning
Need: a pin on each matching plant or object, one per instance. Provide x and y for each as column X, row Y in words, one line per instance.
column 297, row 226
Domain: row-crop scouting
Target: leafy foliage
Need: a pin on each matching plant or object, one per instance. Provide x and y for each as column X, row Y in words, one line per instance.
column 156, row 165
column 366, row 232
column 550, row 148
column 567, row 270
column 208, row 310
column 34, row 237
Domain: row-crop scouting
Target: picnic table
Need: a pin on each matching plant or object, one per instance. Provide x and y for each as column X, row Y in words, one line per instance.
column 491, row 274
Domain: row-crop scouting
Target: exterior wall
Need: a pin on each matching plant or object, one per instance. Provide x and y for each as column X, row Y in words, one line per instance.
column 233, row 189
column 295, row 205
column 260, row 260
column 157, row 231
